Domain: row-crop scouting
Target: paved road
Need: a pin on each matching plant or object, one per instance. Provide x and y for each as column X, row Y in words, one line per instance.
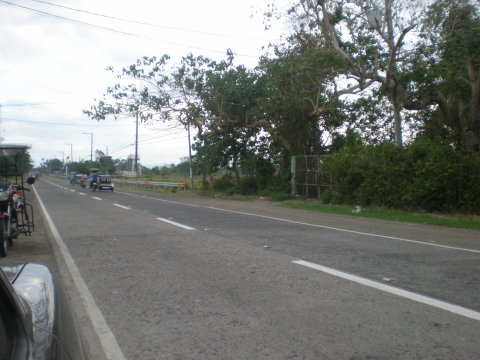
column 178, row 277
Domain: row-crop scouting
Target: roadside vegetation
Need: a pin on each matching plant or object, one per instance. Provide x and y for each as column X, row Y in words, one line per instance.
column 389, row 90
column 449, row 220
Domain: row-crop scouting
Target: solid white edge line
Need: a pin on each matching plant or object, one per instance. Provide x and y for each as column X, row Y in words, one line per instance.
column 176, row 224
column 122, row 206
column 315, row 225
column 107, row 339
column 456, row 309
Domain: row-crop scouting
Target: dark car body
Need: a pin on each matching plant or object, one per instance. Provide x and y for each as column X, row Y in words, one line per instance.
column 36, row 322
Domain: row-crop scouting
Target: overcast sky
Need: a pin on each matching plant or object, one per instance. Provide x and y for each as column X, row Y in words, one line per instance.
column 52, row 66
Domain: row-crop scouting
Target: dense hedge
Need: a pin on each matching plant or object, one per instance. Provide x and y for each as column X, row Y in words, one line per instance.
column 425, row 175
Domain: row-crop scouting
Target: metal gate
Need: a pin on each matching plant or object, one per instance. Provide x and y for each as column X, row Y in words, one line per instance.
column 307, row 178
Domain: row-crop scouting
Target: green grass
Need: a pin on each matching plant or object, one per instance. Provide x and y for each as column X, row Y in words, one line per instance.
column 466, row 222
column 278, row 195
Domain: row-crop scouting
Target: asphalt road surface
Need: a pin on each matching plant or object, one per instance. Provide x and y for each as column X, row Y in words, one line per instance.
column 170, row 276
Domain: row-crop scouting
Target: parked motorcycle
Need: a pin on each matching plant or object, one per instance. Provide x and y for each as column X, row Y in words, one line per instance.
column 13, row 215
column 6, row 210
column 16, row 216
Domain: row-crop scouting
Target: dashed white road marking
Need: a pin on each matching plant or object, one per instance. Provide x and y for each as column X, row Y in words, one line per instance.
column 122, row 206
column 96, row 198
column 176, row 224
column 312, row 225
column 456, row 309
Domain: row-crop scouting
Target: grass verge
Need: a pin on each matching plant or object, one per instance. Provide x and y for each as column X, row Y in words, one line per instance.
column 465, row 222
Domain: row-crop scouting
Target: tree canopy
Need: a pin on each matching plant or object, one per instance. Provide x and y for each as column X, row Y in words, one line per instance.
column 386, row 70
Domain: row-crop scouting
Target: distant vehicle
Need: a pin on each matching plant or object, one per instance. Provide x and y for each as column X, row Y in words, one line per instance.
column 36, row 322
column 105, row 183
column 94, row 174
column 73, row 178
column 82, row 180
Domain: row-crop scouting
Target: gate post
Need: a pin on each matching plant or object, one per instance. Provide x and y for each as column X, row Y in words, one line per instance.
column 293, row 162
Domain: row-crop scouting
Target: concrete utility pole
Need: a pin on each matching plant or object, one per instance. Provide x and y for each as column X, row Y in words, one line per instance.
column 190, row 157
column 136, row 145
column 71, row 151
column 91, row 145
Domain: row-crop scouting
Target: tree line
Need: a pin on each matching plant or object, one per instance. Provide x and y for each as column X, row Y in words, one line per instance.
column 351, row 78
column 108, row 165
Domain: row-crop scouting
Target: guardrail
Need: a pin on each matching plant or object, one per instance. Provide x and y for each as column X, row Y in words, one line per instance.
column 151, row 183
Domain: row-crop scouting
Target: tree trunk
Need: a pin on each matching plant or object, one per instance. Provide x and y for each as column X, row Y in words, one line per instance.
column 397, row 108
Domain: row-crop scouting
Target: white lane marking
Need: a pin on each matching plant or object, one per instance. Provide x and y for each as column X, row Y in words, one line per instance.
column 96, row 198
column 456, row 309
column 107, row 339
column 315, row 225
column 176, row 224
column 82, row 194
column 121, row 206
column 72, row 190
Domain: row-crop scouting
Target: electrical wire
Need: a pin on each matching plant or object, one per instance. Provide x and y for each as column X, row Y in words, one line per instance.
column 112, row 30
column 61, row 124
column 149, row 24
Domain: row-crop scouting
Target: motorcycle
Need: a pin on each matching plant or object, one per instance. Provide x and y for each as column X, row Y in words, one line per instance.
column 12, row 204
column 6, row 210
column 16, row 215
column 94, row 185
column 83, row 183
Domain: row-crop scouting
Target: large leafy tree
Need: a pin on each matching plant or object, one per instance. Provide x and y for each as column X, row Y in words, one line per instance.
column 140, row 94
column 451, row 76
column 298, row 102
column 373, row 41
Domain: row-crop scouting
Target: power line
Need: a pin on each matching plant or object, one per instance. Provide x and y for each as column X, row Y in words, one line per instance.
column 57, row 124
column 148, row 24
column 108, row 29
column 78, row 22
column 24, row 104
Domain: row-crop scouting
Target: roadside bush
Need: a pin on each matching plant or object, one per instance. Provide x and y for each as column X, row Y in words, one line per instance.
column 247, row 186
column 428, row 175
column 441, row 177
column 264, row 173
column 224, row 184
column 328, row 196
column 366, row 175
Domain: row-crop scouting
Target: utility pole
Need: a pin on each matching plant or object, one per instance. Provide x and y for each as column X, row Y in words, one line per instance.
column 136, row 145
column 91, row 145
column 71, row 151
column 190, row 157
